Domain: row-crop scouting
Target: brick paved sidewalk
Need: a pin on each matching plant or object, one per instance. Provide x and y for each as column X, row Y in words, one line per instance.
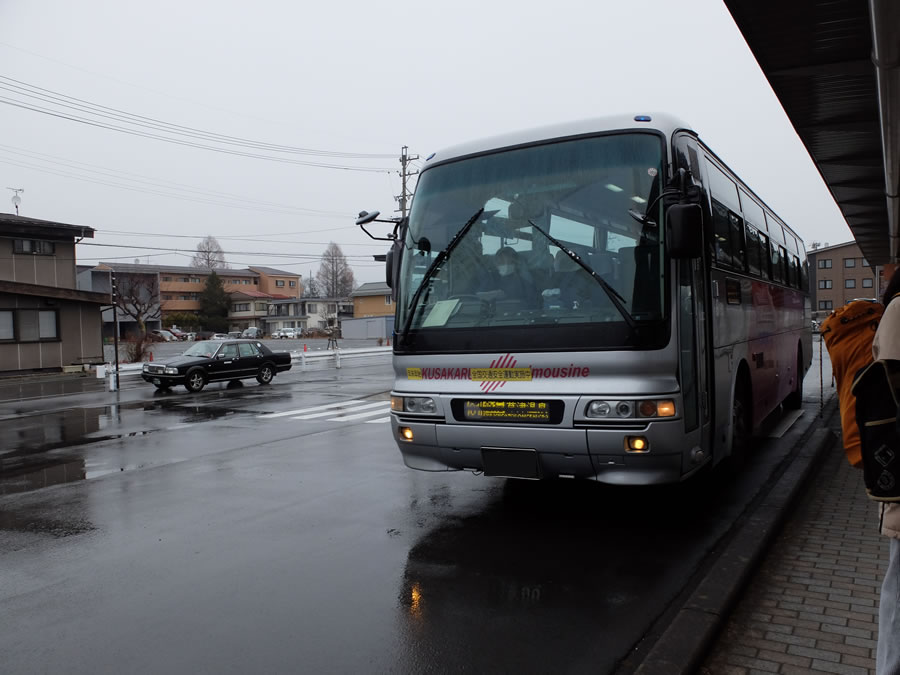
column 812, row 607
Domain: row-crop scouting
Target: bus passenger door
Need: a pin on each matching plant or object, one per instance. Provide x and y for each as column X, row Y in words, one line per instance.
column 693, row 325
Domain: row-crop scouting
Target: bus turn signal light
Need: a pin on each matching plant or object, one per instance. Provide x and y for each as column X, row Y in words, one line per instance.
column 665, row 408
column 636, row 444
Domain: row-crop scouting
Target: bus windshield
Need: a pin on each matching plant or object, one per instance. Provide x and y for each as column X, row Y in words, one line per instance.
column 501, row 279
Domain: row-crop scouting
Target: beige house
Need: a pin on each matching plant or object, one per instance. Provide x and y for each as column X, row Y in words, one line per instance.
column 46, row 323
column 372, row 299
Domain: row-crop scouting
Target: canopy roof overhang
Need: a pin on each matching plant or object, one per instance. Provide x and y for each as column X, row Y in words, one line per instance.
column 833, row 64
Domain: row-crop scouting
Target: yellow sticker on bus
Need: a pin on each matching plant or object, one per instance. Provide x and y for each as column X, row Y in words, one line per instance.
column 501, row 374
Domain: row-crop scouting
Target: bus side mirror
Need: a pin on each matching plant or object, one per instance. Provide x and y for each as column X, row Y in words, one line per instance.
column 389, row 268
column 685, row 229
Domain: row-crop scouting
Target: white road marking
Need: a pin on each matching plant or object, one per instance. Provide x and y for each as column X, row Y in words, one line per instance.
column 786, row 423
column 359, row 416
column 379, row 404
column 269, row 416
column 380, row 420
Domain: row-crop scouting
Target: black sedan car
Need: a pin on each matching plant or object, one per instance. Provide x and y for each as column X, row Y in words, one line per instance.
column 216, row 361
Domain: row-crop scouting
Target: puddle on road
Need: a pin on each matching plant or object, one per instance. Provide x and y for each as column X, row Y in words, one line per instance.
column 29, row 444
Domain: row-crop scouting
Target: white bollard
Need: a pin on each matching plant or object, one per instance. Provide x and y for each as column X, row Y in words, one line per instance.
column 302, row 360
column 101, row 371
column 111, row 380
column 337, row 358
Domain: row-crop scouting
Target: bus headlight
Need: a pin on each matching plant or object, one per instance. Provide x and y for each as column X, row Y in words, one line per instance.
column 413, row 404
column 597, row 409
column 649, row 408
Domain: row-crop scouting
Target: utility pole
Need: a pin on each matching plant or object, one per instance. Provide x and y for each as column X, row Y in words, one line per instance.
column 114, row 289
column 405, row 193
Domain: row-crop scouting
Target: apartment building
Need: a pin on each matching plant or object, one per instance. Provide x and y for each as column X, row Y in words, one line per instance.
column 839, row 274
column 179, row 289
column 46, row 322
column 308, row 314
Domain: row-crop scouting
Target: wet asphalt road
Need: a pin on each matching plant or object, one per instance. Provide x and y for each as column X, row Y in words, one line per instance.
column 154, row 533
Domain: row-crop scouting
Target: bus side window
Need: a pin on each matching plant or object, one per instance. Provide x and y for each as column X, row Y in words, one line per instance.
column 754, row 259
column 722, row 233
column 795, row 272
column 785, row 271
column 727, row 225
column 738, row 249
column 775, row 257
column 764, row 256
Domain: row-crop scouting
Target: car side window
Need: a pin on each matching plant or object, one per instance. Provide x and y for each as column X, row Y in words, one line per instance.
column 230, row 351
column 247, row 349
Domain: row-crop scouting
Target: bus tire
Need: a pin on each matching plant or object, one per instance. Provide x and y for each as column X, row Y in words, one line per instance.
column 741, row 421
column 794, row 400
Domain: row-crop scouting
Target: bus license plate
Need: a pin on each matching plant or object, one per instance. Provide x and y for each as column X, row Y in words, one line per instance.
column 510, row 463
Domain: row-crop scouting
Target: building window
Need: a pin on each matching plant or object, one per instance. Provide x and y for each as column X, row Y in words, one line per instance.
column 167, row 278
column 241, row 307
column 825, row 283
column 246, row 282
column 387, row 299
column 34, row 247
column 184, row 280
column 864, row 262
column 166, row 297
column 293, row 284
column 311, row 308
column 332, row 308
column 35, row 325
column 184, row 297
column 868, row 283
column 279, row 282
column 256, row 282
column 825, row 304
column 261, row 307
column 825, row 264
column 196, row 280
column 849, row 262
column 849, row 283
column 7, row 327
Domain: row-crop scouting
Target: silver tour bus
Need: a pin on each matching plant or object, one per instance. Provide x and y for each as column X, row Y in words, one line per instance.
column 604, row 299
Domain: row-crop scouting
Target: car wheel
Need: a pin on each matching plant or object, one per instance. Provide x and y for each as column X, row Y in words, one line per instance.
column 195, row 381
column 265, row 374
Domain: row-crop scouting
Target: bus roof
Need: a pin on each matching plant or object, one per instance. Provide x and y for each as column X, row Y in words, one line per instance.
column 657, row 122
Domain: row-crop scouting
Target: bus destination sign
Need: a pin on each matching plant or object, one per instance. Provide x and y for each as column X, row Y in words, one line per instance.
column 508, row 411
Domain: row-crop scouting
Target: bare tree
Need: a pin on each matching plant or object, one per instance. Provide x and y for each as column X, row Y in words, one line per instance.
column 311, row 289
column 335, row 276
column 209, row 255
column 137, row 297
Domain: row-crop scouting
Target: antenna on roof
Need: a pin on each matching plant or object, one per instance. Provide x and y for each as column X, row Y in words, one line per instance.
column 16, row 199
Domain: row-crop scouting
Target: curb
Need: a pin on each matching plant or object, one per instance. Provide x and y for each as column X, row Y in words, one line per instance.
column 685, row 642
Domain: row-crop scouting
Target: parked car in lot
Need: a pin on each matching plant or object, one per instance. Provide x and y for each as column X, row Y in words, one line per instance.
column 214, row 361
column 166, row 335
column 289, row 333
column 234, row 334
column 219, row 336
column 252, row 333
column 179, row 335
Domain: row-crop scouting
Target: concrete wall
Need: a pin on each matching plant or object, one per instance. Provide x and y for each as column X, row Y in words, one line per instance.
column 373, row 327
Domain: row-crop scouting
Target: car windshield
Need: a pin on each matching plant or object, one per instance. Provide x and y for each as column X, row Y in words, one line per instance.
column 204, row 348
column 505, row 274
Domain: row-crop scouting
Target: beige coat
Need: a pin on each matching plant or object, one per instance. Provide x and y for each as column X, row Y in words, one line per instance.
column 886, row 345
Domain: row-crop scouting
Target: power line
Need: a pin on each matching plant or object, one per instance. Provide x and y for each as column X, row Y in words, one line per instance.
column 107, row 172
column 297, row 256
column 122, row 233
column 74, row 103
column 131, row 132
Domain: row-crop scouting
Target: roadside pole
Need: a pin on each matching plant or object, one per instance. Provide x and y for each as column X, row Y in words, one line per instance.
column 115, row 324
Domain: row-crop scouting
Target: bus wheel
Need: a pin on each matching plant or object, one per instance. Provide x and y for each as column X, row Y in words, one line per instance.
column 794, row 400
column 741, row 423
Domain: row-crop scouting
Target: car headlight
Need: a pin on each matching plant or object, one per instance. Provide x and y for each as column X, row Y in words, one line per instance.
column 413, row 404
column 171, row 371
column 146, row 367
column 648, row 408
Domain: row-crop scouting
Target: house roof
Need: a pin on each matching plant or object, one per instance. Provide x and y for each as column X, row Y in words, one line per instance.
column 274, row 272
column 11, row 224
column 175, row 269
column 249, row 294
column 372, row 288
column 826, row 249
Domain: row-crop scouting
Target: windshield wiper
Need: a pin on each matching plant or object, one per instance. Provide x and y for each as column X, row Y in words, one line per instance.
column 432, row 270
column 617, row 300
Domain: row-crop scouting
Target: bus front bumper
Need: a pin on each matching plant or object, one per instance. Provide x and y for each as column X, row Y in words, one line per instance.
column 593, row 454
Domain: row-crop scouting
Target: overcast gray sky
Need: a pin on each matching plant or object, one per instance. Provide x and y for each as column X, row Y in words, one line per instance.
column 351, row 77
